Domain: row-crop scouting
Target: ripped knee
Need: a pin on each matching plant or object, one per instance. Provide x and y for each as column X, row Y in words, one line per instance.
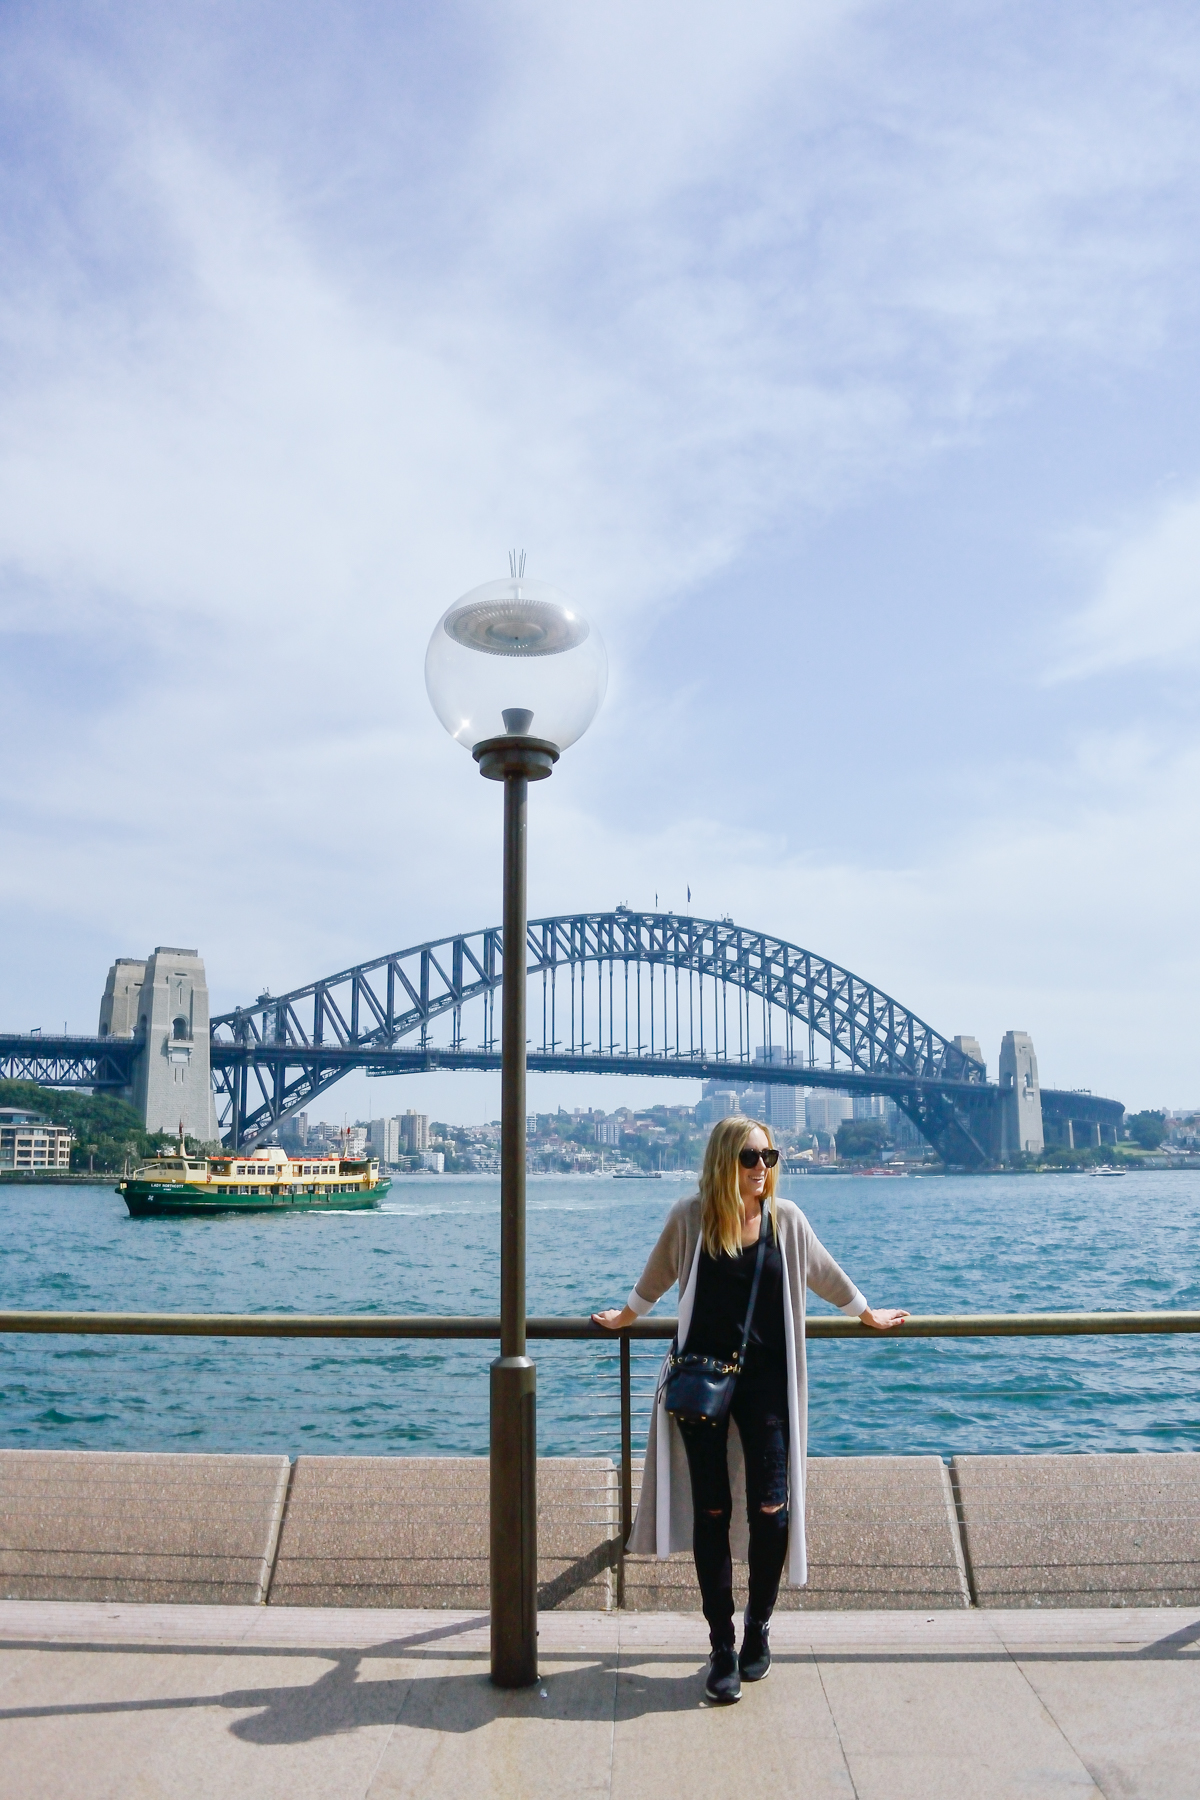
column 772, row 1508
column 719, row 1517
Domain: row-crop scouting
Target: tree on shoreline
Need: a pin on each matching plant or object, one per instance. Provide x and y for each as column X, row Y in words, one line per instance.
column 104, row 1127
column 1148, row 1129
column 861, row 1140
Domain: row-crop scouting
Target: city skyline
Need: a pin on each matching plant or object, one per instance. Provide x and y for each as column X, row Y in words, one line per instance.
column 839, row 363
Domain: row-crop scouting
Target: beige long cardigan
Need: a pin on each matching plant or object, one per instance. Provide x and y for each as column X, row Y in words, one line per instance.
column 664, row 1514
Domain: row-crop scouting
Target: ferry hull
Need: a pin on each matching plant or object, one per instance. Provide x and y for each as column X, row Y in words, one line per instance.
column 156, row 1200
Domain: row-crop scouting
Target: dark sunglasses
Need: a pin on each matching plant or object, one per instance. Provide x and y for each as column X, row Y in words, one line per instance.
column 749, row 1158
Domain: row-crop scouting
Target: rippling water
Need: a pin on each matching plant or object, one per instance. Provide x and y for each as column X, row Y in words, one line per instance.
column 947, row 1244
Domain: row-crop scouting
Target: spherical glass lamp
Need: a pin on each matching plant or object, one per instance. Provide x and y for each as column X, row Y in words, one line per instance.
column 515, row 658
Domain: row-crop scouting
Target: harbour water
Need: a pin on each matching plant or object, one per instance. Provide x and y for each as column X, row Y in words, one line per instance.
column 939, row 1244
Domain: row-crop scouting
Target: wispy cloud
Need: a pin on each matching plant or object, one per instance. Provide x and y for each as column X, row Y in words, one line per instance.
column 1146, row 605
column 642, row 290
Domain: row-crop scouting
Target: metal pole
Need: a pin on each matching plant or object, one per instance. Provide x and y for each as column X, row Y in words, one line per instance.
column 513, row 1375
column 516, row 760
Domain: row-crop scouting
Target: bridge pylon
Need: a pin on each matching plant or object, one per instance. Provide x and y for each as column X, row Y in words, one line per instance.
column 162, row 1005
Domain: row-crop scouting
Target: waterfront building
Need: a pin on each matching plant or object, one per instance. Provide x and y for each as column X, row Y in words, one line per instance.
column 870, row 1106
column 414, row 1130
column 295, row 1130
column 28, row 1142
column 1183, row 1128
column 354, row 1140
column 386, row 1139
column 783, row 1105
column 718, row 1103
column 825, row 1109
column 608, row 1131
column 435, row 1160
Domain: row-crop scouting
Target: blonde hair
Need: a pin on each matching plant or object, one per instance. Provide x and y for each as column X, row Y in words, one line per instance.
column 722, row 1213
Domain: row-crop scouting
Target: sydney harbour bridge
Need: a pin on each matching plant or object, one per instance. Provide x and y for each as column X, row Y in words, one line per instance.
column 621, row 993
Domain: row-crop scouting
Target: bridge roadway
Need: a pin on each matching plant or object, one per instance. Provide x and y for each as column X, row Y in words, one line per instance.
column 107, row 1064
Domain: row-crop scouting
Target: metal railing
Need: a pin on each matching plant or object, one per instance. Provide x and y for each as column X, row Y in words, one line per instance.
column 471, row 1326
column 477, row 1325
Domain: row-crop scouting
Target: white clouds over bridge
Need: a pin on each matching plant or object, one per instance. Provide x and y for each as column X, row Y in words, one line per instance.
column 839, row 358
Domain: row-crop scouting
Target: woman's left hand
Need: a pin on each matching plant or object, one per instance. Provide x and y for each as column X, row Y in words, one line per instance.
column 615, row 1318
column 883, row 1318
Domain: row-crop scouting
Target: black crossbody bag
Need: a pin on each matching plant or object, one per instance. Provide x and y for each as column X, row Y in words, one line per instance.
column 698, row 1390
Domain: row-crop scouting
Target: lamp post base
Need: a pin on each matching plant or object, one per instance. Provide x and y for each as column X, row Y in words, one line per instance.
column 514, row 1522
column 498, row 757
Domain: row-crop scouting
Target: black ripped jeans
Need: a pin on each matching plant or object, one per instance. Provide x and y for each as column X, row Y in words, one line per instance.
column 760, row 1411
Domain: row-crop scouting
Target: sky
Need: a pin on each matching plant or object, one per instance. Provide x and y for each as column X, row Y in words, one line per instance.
column 839, row 359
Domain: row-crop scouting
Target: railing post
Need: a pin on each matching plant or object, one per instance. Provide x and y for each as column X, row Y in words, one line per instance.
column 626, row 1463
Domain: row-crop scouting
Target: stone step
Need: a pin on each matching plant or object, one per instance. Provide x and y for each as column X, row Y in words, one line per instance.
column 1098, row 1530
column 881, row 1534
column 413, row 1531
column 1050, row 1531
column 127, row 1525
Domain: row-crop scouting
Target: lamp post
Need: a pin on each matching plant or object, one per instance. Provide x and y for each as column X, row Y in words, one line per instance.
column 515, row 674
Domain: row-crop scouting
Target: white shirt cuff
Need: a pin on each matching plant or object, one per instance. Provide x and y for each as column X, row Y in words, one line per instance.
column 636, row 1304
column 855, row 1308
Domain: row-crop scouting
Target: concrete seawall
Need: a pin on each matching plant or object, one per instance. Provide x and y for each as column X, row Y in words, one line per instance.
column 885, row 1532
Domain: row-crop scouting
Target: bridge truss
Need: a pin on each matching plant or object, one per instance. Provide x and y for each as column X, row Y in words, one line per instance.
column 105, row 1063
column 618, row 992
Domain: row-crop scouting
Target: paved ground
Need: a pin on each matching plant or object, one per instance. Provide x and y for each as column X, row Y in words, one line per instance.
column 142, row 1702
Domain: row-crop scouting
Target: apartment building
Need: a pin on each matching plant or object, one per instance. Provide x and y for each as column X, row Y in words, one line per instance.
column 27, row 1142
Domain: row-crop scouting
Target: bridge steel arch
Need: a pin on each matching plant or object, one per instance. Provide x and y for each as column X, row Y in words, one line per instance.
column 618, row 992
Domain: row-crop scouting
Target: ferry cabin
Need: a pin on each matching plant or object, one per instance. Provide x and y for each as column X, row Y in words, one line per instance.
column 268, row 1172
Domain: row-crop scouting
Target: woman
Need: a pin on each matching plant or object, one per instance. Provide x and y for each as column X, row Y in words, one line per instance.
column 709, row 1245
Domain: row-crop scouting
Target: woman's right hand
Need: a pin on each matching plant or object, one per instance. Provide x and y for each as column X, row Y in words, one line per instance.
column 615, row 1318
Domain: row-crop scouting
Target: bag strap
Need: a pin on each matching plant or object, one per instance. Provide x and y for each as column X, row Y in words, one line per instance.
column 758, row 1269
column 673, row 1352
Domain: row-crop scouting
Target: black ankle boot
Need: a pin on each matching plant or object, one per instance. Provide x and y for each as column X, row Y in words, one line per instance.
column 724, row 1684
column 755, row 1658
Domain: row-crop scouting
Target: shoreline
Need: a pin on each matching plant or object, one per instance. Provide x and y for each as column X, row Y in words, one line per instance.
column 885, row 1171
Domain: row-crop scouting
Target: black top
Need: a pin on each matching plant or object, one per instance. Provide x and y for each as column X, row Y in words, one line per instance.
column 722, row 1296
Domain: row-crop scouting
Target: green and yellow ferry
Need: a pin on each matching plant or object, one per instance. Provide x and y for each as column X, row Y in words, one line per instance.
column 172, row 1185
